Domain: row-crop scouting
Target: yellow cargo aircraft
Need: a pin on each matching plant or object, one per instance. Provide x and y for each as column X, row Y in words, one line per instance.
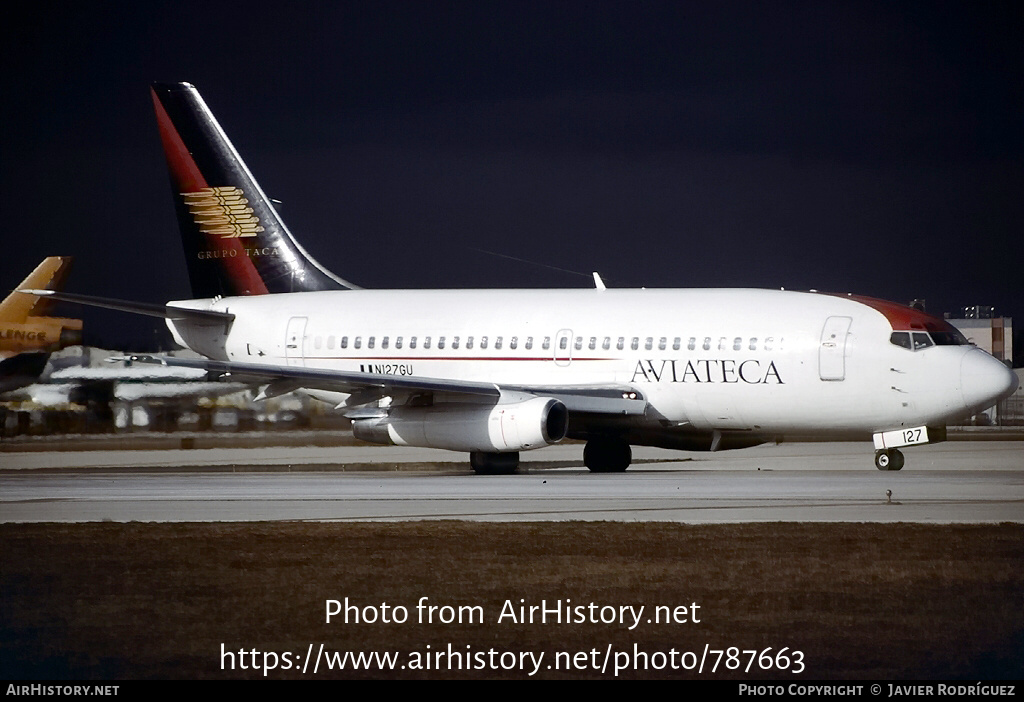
column 28, row 334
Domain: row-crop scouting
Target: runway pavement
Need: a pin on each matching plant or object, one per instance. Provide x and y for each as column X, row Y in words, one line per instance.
column 956, row 482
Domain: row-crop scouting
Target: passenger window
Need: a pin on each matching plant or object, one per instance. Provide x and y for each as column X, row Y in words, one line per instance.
column 513, row 342
column 768, row 343
column 344, row 342
column 455, row 342
column 497, row 342
column 398, row 342
column 469, row 342
column 384, row 343
column 607, row 343
column 529, row 343
column 426, row 342
column 901, row 339
column 676, row 343
column 440, row 342
column 922, row 341
column 635, row 344
column 370, row 343
column 359, row 342
column 593, row 343
column 547, row 343
column 412, row 342
column 483, row 342
column 737, row 344
column 563, row 343
column 753, row 343
column 621, row 343
column 649, row 343
column 662, row 343
column 722, row 343
column 707, row 343
column 692, row 344
column 579, row 343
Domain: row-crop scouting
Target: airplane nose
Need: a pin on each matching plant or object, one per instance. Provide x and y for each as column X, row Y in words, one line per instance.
column 984, row 381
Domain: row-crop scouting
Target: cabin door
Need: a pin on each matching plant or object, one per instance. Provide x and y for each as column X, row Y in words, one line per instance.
column 832, row 351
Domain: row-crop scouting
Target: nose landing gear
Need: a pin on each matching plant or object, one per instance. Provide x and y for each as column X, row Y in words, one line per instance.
column 889, row 459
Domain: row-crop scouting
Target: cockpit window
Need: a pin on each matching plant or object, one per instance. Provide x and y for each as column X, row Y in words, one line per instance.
column 901, row 339
column 922, row 340
column 949, row 338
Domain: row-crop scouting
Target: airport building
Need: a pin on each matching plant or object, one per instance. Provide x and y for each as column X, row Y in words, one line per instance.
column 985, row 330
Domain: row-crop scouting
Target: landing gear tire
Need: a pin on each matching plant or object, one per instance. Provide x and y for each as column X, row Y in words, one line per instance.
column 607, row 455
column 889, row 459
column 485, row 463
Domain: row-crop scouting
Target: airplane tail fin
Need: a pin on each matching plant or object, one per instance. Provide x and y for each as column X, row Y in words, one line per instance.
column 48, row 275
column 235, row 241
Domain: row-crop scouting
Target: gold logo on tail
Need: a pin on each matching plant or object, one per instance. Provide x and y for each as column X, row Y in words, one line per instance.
column 223, row 211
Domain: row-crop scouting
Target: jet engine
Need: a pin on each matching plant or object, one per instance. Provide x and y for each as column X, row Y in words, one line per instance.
column 513, row 426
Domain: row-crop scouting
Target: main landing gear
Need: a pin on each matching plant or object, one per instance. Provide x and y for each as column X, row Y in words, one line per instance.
column 888, row 459
column 607, row 455
column 485, row 463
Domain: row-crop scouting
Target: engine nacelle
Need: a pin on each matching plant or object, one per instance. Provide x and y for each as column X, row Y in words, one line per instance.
column 514, row 426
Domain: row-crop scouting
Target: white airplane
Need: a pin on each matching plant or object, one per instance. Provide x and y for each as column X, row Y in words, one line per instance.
column 496, row 372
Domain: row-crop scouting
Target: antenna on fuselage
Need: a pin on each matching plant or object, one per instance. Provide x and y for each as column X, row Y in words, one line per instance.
column 533, row 263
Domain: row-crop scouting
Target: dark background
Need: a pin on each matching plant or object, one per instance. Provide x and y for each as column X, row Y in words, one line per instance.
column 874, row 148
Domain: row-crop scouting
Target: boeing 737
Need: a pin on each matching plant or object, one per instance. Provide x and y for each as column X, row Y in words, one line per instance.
column 28, row 335
column 496, row 372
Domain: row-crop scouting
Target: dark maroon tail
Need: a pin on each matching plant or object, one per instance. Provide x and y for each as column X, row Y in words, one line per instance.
column 235, row 242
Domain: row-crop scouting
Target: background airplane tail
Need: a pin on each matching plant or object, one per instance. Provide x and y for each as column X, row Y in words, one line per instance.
column 28, row 329
column 48, row 275
column 235, row 241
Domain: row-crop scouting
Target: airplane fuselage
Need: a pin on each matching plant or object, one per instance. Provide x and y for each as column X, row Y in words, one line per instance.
column 42, row 334
column 763, row 361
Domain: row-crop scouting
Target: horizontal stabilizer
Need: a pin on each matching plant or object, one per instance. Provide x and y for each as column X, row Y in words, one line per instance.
column 144, row 308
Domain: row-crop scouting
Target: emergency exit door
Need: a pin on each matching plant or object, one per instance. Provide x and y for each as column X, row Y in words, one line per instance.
column 295, row 341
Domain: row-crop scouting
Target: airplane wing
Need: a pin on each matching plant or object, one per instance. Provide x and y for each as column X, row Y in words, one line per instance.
column 367, row 387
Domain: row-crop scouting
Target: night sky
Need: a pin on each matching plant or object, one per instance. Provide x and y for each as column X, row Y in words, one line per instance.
column 875, row 148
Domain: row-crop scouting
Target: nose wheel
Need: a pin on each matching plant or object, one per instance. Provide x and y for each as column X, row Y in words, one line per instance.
column 888, row 459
